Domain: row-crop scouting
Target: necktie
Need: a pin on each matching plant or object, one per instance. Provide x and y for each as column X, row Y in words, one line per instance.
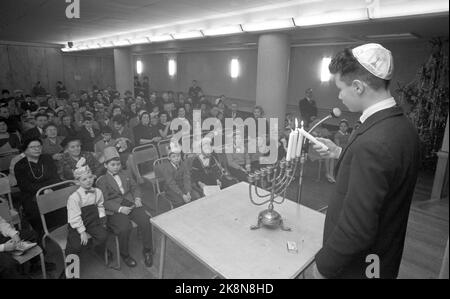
column 88, row 191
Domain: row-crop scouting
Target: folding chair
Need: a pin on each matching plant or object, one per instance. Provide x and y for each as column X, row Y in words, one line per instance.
column 5, row 190
column 5, row 160
column 157, row 166
column 56, row 200
column 145, row 154
column 29, row 254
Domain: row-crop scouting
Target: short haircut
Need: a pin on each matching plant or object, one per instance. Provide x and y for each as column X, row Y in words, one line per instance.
column 346, row 64
column 3, row 120
column 5, row 91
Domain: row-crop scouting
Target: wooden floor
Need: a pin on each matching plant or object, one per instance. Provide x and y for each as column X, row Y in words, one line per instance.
column 427, row 234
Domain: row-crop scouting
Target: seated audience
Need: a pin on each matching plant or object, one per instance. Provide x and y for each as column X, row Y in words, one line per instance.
column 11, row 121
column 239, row 163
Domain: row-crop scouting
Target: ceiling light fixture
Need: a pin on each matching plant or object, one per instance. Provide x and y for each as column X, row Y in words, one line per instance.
column 187, row 35
column 223, row 30
column 268, row 25
column 332, row 17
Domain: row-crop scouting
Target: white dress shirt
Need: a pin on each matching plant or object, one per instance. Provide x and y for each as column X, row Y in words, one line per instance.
column 384, row 104
column 80, row 199
column 118, row 181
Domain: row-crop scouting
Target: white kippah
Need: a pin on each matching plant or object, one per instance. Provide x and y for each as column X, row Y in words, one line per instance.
column 376, row 59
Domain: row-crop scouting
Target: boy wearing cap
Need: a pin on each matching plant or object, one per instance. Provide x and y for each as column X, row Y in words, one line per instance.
column 86, row 213
column 123, row 202
column 376, row 172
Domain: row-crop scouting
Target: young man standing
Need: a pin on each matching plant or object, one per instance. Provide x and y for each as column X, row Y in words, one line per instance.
column 368, row 213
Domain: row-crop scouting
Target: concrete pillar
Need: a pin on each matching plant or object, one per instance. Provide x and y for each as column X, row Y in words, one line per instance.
column 123, row 70
column 273, row 75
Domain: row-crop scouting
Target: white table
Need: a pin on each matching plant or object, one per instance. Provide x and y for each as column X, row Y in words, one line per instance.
column 216, row 231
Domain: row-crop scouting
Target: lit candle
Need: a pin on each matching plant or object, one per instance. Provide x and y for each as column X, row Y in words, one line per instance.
column 312, row 138
column 291, row 145
column 298, row 152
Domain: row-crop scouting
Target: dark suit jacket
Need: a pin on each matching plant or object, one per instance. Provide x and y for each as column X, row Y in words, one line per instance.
column 87, row 141
column 33, row 133
column 113, row 197
column 368, row 213
column 178, row 180
column 307, row 109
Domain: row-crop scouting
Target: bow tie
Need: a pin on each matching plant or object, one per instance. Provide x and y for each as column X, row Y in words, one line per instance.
column 89, row 191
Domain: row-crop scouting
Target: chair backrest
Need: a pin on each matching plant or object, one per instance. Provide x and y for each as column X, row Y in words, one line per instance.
column 157, row 167
column 5, row 160
column 145, row 154
column 55, row 200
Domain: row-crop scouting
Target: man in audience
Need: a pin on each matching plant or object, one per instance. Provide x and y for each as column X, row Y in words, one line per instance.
column 38, row 90
column 41, row 121
column 195, row 92
column 6, row 96
column 88, row 134
column 308, row 107
column 28, row 105
column 106, row 141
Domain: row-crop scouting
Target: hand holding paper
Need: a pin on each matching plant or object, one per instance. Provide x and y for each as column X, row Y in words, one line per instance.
column 312, row 139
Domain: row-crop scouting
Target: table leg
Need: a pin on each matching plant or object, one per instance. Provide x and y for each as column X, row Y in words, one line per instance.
column 162, row 255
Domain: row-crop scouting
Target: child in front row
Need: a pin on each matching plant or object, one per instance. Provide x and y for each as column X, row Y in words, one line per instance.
column 85, row 213
column 123, row 202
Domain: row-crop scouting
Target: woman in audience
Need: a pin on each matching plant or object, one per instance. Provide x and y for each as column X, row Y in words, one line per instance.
column 142, row 134
column 8, row 141
column 71, row 156
column 34, row 172
column 51, row 145
column 132, row 115
column 67, row 128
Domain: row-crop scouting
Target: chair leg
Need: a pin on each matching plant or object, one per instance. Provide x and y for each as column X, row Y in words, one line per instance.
column 118, row 252
column 44, row 271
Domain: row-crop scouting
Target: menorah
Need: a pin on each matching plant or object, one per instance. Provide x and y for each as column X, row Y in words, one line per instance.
column 274, row 179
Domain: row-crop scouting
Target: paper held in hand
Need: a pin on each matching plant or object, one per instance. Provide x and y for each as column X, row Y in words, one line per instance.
column 210, row 190
column 312, row 139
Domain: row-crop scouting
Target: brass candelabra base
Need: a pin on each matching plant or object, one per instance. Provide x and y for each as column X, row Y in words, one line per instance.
column 270, row 219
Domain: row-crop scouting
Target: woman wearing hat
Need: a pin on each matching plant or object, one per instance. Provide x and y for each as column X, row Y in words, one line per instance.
column 73, row 153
